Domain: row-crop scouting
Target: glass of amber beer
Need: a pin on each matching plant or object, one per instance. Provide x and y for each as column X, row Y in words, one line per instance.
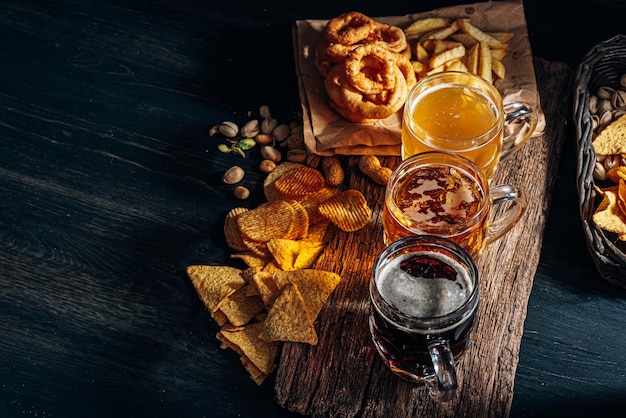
column 423, row 302
column 447, row 195
column 462, row 113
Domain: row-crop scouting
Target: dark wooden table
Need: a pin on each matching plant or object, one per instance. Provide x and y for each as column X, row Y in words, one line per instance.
column 110, row 186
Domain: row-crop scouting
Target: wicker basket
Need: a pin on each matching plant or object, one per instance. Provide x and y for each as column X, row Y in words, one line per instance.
column 601, row 66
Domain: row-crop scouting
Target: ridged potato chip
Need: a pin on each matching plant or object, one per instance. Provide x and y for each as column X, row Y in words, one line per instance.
column 300, row 181
column 348, row 210
column 267, row 221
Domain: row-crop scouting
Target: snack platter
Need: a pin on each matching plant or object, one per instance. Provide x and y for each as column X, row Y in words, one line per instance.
column 327, row 133
column 303, row 300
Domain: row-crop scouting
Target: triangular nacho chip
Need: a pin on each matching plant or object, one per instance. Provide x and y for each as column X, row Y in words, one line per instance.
column 314, row 285
column 214, row 283
column 608, row 215
column 612, row 139
column 240, row 307
column 248, row 344
column 288, row 319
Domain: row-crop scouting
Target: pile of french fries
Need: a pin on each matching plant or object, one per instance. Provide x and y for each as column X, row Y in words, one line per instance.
column 443, row 44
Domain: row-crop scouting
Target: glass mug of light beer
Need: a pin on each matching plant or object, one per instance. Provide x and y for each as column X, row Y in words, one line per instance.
column 423, row 302
column 462, row 113
column 444, row 194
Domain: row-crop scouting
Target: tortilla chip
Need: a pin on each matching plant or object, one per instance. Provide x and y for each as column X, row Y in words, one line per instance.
column 314, row 285
column 612, row 139
column 267, row 288
column 240, row 307
column 317, row 232
column 214, row 283
column 617, row 173
column 288, row 319
column 251, row 259
column 248, row 344
column 608, row 215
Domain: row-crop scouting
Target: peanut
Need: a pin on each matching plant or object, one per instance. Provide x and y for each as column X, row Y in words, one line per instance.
column 333, row 173
column 370, row 166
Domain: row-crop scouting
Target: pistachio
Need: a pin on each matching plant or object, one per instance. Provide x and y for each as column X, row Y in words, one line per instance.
column 622, row 80
column 233, row 175
column 297, row 155
column 270, row 153
column 264, row 139
column 600, row 157
column 214, row 129
column 612, row 161
column 228, row 129
column 593, row 105
column 313, row 160
column 268, row 125
column 618, row 100
column 223, row 148
column 604, row 105
column 605, row 92
column 241, row 192
column 280, row 132
column 595, row 122
column 237, row 151
column 246, row 144
column 605, row 119
column 250, row 129
column 267, row 166
column 599, row 172
column 264, row 111
column 295, row 141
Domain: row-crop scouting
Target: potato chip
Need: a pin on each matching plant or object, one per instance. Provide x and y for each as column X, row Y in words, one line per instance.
column 301, row 221
column 300, row 181
column 267, row 221
column 318, row 232
column 240, row 307
column 426, row 24
column 269, row 190
column 214, row 283
column 608, row 215
column 257, row 247
column 246, row 339
column 617, row 173
column 348, row 210
column 231, row 230
column 315, row 286
column 288, row 319
column 311, row 203
column 612, row 139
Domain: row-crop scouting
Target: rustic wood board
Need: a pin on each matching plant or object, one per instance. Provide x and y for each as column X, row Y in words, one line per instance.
column 342, row 376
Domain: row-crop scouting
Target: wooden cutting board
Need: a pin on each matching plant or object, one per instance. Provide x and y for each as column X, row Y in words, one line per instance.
column 342, row 376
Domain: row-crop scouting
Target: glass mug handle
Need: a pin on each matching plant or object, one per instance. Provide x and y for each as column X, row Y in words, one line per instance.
column 508, row 218
column 520, row 121
column 442, row 386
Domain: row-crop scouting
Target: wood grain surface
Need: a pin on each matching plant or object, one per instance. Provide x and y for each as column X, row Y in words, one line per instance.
column 342, row 376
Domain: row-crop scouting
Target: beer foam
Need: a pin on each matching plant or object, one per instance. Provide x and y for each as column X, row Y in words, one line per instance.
column 421, row 297
column 444, row 199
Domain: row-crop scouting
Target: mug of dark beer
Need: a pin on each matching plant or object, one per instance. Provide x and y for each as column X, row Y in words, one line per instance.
column 423, row 302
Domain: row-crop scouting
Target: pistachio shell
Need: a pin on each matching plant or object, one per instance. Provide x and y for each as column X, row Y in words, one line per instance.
column 618, row 100
column 264, row 111
column 233, row 175
column 622, row 80
column 250, row 129
column 604, row 105
column 599, row 172
column 271, row 153
column 280, row 132
column 268, row 125
column 229, row 129
column 605, row 92
column 593, row 105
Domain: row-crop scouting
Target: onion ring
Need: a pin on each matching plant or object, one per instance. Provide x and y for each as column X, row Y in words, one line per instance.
column 370, row 69
column 383, row 105
column 391, row 36
column 348, row 28
column 405, row 66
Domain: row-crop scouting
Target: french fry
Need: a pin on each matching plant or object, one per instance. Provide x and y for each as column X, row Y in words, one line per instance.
column 498, row 68
column 458, row 45
column 479, row 35
column 484, row 62
column 448, row 55
column 425, row 25
column 442, row 33
column 472, row 58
